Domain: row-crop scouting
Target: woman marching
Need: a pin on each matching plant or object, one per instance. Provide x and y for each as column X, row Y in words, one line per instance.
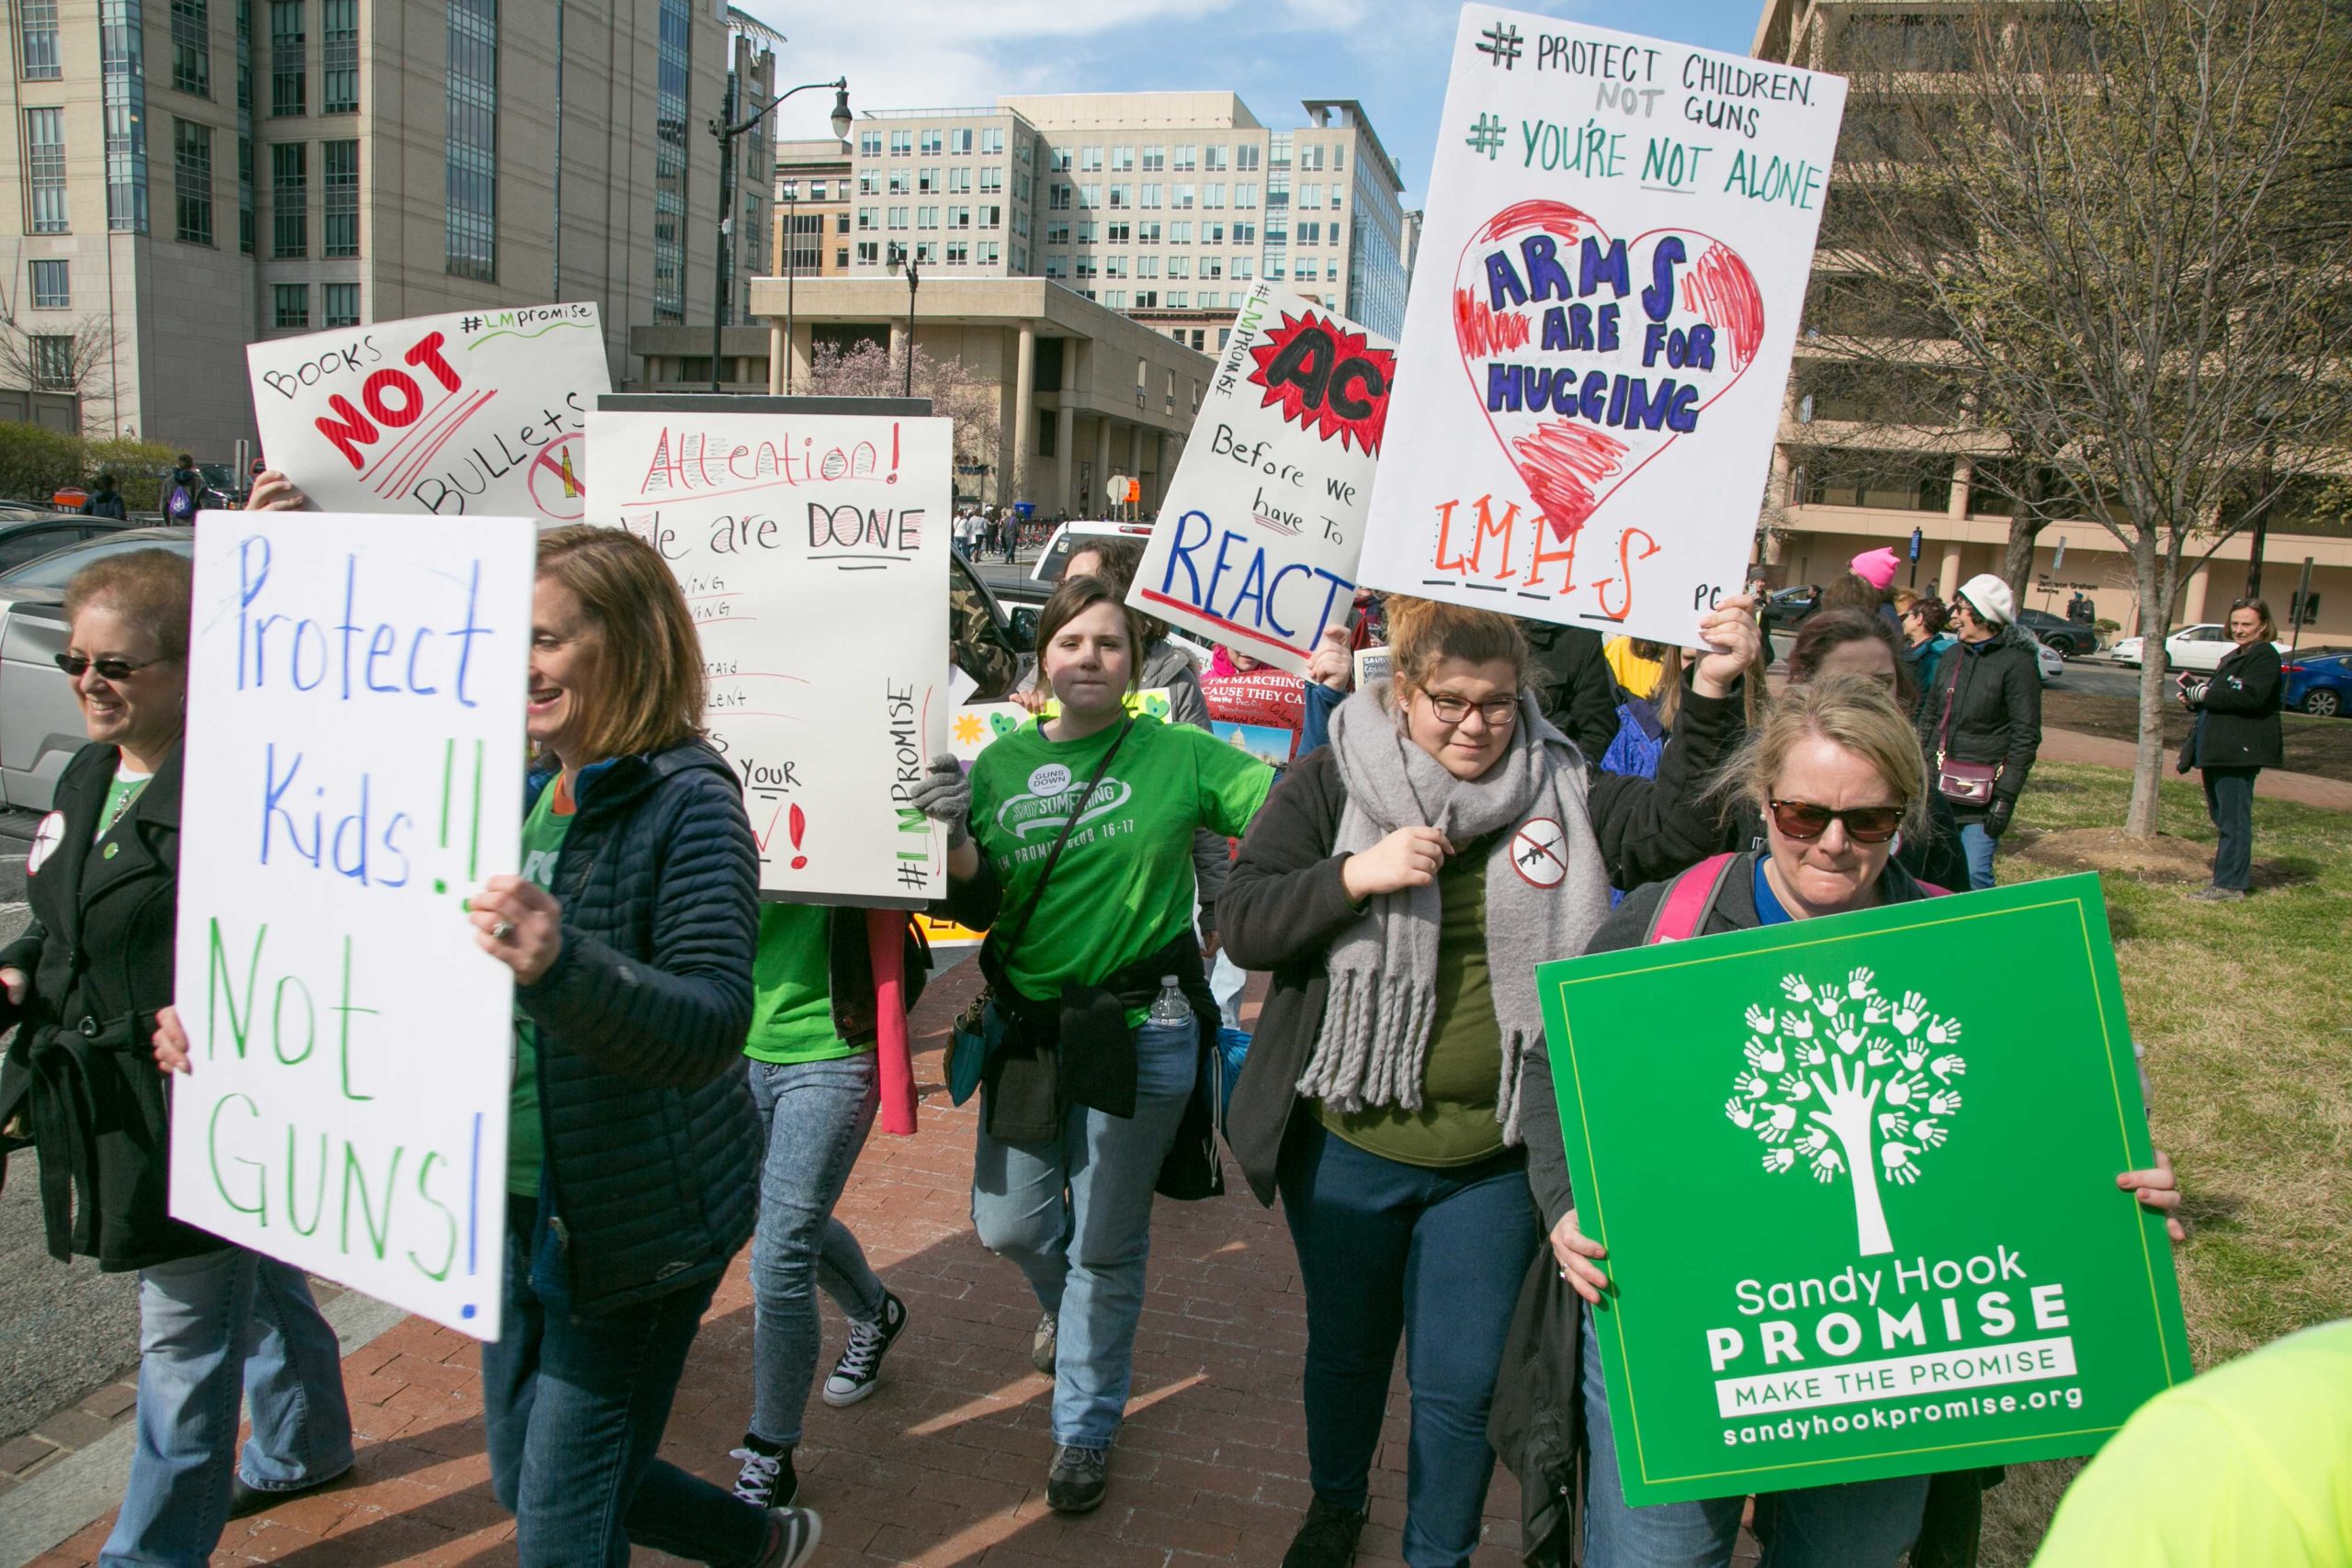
column 90, row 984
column 1402, row 884
column 1837, row 774
column 1078, row 857
column 2237, row 736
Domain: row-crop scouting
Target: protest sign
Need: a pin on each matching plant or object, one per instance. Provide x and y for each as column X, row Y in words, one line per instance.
column 1601, row 324
column 1264, row 742
column 481, row 413
column 1257, row 540
column 353, row 772
column 977, row 725
column 1372, row 664
column 1855, row 1176
column 1264, row 696
column 812, row 550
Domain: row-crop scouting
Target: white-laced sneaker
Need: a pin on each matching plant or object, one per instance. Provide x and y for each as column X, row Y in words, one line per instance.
column 858, row 1371
column 767, row 1481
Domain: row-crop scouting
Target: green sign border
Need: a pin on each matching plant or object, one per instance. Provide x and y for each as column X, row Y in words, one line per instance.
column 2083, row 892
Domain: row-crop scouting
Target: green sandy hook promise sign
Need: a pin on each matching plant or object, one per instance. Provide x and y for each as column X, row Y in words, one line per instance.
column 1856, row 1180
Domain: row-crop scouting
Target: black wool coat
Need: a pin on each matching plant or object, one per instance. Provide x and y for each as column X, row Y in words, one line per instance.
column 2239, row 722
column 83, row 1073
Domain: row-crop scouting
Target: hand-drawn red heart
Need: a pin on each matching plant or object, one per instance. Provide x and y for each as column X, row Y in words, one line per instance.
column 1591, row 356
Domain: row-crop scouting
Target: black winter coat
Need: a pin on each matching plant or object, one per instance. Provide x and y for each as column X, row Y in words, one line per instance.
column 99, row 956
column 1573, row 686
column 1284, row 903
column 1995, row 690
column 653, row 1144
column 2239, row 722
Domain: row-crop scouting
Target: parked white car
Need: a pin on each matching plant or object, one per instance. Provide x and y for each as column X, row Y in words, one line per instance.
column 2200, row 646
column 2048, row 660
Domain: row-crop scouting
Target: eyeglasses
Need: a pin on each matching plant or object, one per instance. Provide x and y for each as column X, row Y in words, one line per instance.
column 1498, row 713
column 74, row 664
column 1864, row 824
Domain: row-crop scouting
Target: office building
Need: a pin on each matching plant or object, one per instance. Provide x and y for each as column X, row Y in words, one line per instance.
column 192, row 174
column 1847, row 479
column 812, row 201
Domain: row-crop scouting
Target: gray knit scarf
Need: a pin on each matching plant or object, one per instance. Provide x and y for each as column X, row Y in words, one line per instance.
column 1547, row 893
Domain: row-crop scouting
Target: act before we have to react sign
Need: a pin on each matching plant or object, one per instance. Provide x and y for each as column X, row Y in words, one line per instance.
column 353, row 772
column 1603, row 309
column 812, row 550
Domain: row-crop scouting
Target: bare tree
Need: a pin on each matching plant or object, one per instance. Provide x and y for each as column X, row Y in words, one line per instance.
column 867, row 369
column 75, row 356
column 2110, row 219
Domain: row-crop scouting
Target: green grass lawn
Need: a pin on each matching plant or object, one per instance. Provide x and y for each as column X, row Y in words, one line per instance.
column 2249, row 1046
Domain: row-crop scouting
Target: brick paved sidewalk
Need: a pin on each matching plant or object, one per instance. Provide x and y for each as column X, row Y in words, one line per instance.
column 946, row 1463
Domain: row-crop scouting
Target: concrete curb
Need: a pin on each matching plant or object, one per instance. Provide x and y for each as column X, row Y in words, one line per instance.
column 80, row 1488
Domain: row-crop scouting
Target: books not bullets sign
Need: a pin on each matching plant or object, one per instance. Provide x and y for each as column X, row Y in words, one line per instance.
column 1257, row 542
column 812, row 550
column 1601, row 319
column 477, row 412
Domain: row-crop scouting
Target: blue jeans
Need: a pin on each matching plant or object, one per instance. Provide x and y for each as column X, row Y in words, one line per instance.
column 816, row 1115
column 575, row 1406
column 1863, row 1524
column 212, row 1329
column 1076, row 1216
column 1977, row 845
column 1437, row 1256
column 2229, row 801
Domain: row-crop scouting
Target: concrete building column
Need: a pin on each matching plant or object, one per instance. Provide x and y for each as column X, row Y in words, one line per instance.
column 1064, row 460
column 776, row 351
column 1102, row 465
column 1963, row 480
column 1134, row 453
column 1024, row 409
column 1948, row 574
column 2192, row 598
column 897, row 338
column 1159, row 469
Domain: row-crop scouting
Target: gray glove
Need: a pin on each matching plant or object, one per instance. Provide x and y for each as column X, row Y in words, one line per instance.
column 944, row 795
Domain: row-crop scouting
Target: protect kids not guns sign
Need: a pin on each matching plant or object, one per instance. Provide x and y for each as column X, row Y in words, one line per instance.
column 353, row 773
column 1601, row 324
column 1898, row 1134
column 479, row 412
column 1257, row 543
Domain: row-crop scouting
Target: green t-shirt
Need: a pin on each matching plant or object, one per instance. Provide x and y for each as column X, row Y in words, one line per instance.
column 1455, row 1124
column 792, row 991
column 120, row 793
column 1123, row 887
column 2250, row 1463
column 543, row 835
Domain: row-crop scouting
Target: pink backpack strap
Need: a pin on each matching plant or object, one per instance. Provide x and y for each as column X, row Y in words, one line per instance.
column 1688, row 899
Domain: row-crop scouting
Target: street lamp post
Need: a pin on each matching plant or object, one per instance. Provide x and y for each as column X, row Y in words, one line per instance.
column 901, row 256
column 726, row 135
column 791, row 269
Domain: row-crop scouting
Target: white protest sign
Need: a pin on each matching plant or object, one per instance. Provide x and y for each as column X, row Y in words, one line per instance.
column 813, row 552
column 353, row 772
column 1601, row 324
column 1257, row 542
column 483, row 413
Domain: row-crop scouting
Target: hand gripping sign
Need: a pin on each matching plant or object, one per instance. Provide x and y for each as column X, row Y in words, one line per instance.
column 481, row 413
column 1257, row 542
column 1598, row 335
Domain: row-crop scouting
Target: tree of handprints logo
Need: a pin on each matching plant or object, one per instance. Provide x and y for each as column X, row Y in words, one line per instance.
column 1850, row 1081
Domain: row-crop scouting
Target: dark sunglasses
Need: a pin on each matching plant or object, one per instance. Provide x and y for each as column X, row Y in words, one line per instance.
column 74, row 664
column 1864, row 824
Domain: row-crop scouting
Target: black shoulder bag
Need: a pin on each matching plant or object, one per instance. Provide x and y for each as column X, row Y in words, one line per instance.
column 980, row 1028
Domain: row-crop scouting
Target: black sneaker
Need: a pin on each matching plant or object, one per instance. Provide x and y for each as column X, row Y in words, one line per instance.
column 766, row 1480
column 1079, row 1479
column 1327, row 1539
column 793, row 1534
column 860, row 1368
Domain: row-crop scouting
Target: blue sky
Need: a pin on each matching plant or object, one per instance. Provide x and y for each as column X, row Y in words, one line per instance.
column 1390, row 54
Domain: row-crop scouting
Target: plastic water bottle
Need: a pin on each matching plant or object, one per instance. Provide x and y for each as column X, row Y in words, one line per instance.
column 1169, row 1008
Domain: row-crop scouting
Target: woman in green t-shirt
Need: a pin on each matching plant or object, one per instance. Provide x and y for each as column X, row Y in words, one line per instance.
column 1097, row 981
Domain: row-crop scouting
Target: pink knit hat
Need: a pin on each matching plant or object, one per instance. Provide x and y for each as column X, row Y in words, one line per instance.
column 1875, row 568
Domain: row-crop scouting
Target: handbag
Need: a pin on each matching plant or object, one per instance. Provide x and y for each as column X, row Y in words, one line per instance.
column 978, row 1030
column 1963, row 783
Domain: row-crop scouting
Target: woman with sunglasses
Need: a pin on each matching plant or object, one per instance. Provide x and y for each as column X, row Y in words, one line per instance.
column 1402, row 884
column 86, row 984
column 2237, row 736
column 1836, row 774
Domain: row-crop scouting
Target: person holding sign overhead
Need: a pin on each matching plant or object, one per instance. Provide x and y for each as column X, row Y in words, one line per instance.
column 1079, row 841
column 633, row 1147
column 1836, row 775
column 1402, row 884
column 90, row 984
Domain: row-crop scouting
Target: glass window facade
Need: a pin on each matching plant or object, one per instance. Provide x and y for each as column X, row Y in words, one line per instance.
column 340, row 175
column 36, row 39
column 192, row 47
column 342, row 304
column 472, row 182
column 52, row 285
column 671, row 83
column 293, row 305
column 290, row 217
column 339, row 56
column 45, row 170
column 290, row 81
column 122, row 69
column 192, row 181
column 53, row 361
